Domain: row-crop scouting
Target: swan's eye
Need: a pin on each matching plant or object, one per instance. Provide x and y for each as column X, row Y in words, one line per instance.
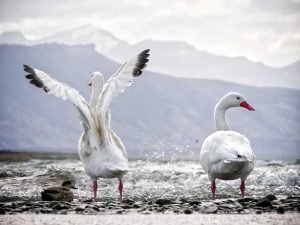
column 238, row 97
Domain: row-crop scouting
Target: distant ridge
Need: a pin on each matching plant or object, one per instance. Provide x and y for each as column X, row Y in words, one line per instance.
column 176, row 58
column 171, row 115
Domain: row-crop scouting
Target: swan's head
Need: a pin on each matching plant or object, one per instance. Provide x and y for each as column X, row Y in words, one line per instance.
column 97, row 80
column 234, row 99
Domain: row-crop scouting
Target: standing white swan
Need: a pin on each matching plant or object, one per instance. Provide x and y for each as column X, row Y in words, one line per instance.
column 225, row 154
column 100, row 149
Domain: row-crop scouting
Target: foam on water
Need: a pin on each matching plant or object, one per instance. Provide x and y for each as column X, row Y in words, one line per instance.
column 146, row 179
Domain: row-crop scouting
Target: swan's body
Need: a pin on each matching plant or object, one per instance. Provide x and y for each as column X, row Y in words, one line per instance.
column 225, row 154
column 100, row 149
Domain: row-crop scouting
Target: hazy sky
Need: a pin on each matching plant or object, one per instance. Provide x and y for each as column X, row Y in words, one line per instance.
column 262, row 30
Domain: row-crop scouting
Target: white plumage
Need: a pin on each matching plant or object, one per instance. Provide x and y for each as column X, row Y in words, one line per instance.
column 225, row 154
column 100, row 149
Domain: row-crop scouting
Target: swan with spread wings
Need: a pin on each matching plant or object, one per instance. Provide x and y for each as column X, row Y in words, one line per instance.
column 100, row 149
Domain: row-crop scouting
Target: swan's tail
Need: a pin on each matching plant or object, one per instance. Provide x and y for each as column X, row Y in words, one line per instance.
column 238, row 160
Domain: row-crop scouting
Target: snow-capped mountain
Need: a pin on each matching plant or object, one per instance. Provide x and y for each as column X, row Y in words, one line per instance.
column 175, row 58
column 88, row 34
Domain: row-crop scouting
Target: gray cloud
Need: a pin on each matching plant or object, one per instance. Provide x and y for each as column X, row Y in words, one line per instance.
column 266, row 30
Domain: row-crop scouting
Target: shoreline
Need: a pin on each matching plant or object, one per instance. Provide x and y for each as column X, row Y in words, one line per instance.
column 245, row 206
column 166, row 219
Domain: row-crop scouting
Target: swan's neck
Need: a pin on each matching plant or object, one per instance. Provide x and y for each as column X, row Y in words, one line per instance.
column 96, row 91
column 220, row 117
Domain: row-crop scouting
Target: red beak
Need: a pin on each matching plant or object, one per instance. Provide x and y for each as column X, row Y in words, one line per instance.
column 247, row 106
column 90, row 84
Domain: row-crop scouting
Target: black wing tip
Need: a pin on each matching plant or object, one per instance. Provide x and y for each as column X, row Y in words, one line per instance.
column 28, row 69
column 34, row 79
column 141, row 63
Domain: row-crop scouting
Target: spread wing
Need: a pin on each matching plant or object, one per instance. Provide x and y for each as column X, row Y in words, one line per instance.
column 52, row 86
column 121, row 79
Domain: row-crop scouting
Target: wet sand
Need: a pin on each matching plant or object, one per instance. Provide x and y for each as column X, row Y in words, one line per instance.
column 200, row 219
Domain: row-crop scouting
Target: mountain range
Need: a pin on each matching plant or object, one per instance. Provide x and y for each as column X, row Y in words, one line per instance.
column 175, row 58
column 158, row 115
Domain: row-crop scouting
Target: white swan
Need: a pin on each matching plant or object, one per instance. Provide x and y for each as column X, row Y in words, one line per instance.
column 225, row 154
column 100, row 149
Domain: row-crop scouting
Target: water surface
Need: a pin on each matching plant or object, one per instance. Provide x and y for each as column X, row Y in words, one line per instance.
column 146, row 179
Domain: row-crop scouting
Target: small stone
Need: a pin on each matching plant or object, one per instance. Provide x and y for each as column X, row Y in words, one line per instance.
column 2, row 212
column 211, row 209
column 17, row 210
column 264, row 203
column 271, row 197
column 258, row 212
column 60, row 206
column 183, row 200
column 126, row 206
column 93, row 207
column 280, row 210
column 244, row 200
column 120, row 211
column 46, row 211
column 162, row 202
column 187, row 211
column 63, row 211
column 51, row 204
column 128, row 201
column 79, row 209
column 195, row 203
column 135, row 206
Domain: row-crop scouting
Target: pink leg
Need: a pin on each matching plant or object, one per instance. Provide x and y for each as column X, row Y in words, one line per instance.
column 95, row 186
column 213, row 189
column 242, row 188
column 121, row 189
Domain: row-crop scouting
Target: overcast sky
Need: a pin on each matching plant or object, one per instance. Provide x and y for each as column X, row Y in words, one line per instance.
column 262, row 30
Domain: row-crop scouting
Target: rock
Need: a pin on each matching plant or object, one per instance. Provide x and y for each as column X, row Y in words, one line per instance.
column 163, row 202
column 18, row 210
column 119, row 211
column 187, row 211
column 128, row 201
column 211, row 209
column 184, row 200
column 53, row 203
column 92, row 207
column 2, row 211
column 63, row 211
column 135, row 206
column 60, row 206
column 195, row 202
column 271, row 197
column 258, row 212
column 79, row 209
column 264, row 203
column 126, row 206
column 244, row 200
column 280, row 210
column 46, row 211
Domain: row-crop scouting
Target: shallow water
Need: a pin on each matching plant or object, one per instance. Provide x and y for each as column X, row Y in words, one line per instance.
column 146, row 179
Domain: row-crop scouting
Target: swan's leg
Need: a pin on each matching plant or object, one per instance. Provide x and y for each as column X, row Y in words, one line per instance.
column 213, row 189
column 242, row 188
column 120, row 189
column 95, row 186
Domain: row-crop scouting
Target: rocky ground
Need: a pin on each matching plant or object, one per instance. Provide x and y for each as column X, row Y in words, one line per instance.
column 268, row 204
